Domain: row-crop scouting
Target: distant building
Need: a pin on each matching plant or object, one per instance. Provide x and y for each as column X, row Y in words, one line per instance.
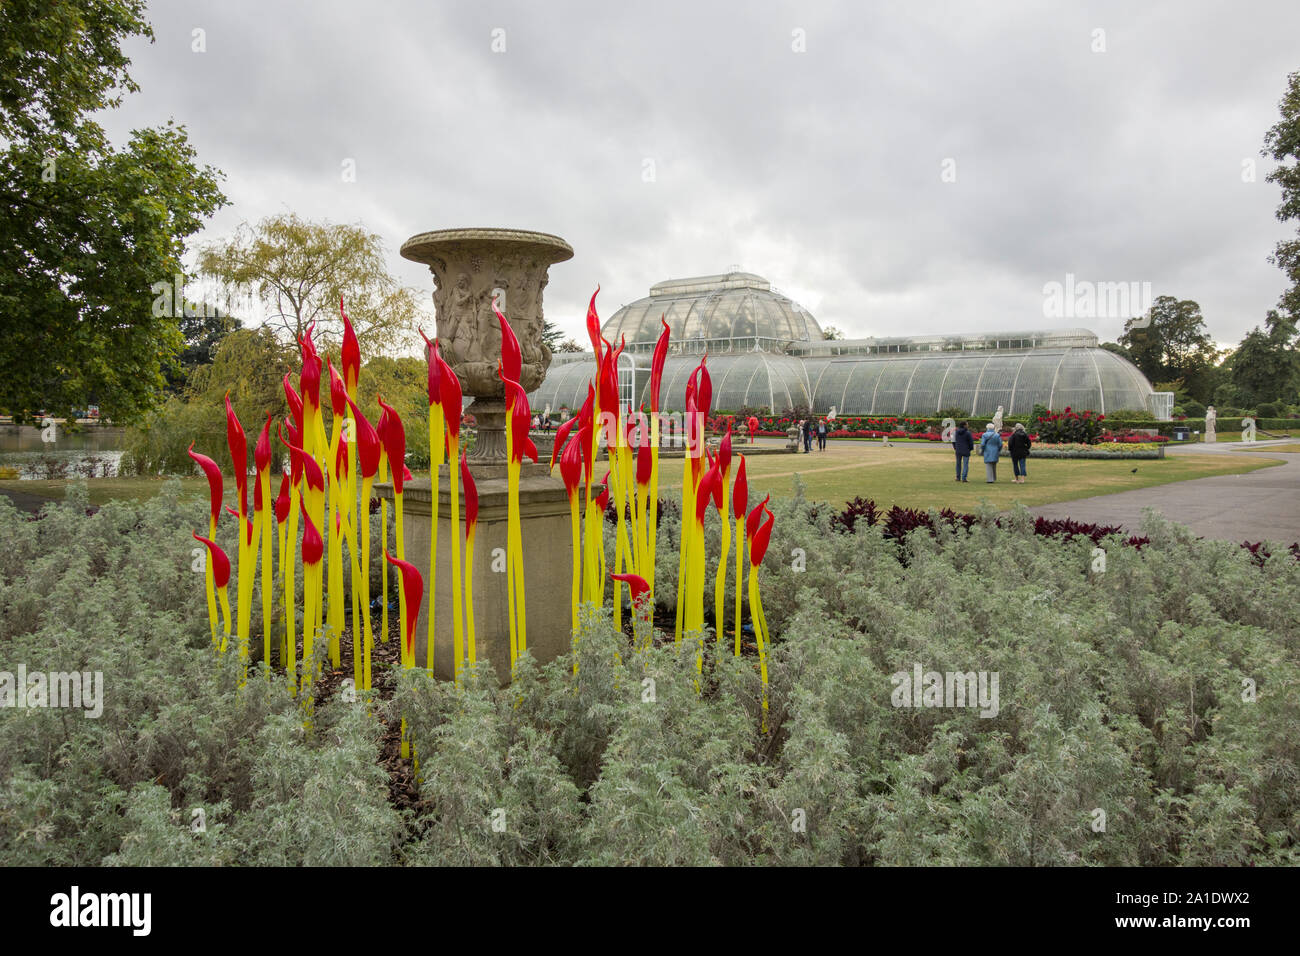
column 766, row 351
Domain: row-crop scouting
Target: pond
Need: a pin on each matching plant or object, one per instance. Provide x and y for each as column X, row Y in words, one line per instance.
column 93, row 451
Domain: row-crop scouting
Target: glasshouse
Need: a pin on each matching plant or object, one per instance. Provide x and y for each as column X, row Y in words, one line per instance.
column 768, row 352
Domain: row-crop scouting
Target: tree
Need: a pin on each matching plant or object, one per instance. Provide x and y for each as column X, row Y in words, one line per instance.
column 249, row 365
column 203, row 332
column 551, row 334
column 831, row 334
column 85, row 228
column 296, row 269
column 1117, row 349
column 1171, row 341
column 1282, row 142
column 569, row 345
column 1265, row 366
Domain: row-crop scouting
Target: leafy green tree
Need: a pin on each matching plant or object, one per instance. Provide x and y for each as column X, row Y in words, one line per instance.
column 86, row 228
column 1282, row 143
column 204, row 332
column 249, row 365
column 296, row 269
column 552, row 335
column 1266, row 366
column 1172, row 341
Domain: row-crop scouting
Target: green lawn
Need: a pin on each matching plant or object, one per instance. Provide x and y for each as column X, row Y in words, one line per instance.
column 915, row 475
column 921, row 476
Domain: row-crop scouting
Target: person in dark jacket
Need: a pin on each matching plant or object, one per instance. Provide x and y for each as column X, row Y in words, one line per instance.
column 807, row 436
column 990, row 449
column 1019, row 444
column 963, row 443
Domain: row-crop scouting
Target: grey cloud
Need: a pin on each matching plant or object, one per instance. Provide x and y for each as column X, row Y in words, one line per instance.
column 820, row 169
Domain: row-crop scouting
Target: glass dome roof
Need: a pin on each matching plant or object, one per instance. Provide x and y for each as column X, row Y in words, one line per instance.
column 767, row 352
column 740, row 380
column 918, row 384
column 921, row 384
column 735, row 311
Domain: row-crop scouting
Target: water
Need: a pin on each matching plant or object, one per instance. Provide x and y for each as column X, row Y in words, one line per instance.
column 93, row 452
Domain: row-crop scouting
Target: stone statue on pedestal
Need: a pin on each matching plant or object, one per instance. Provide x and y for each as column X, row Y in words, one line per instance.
column 1211, row 416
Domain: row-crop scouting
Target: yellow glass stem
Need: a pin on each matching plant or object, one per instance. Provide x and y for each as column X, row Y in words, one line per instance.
column 720, row 579
column 368, row 639
column 210, row 585
column 740, row 557
column 574, row 596
column 469, row 595
column 458, row 648
column 268, row 519
column 407, row 659
column 383, row 539
column 756, row 615
column 290, row 656
column 436, row 458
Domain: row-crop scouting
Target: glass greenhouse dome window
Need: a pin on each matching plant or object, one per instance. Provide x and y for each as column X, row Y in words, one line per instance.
column 768, row 352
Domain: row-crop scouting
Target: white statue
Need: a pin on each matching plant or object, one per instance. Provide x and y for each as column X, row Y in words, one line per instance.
column 997, row 421
column 1210, row 417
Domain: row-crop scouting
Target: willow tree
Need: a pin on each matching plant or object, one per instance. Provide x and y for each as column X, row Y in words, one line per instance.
column 295, row 269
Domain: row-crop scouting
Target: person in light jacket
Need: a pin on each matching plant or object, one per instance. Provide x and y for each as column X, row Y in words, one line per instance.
column 963, row 443
column 990, row 448
column 1018, row 444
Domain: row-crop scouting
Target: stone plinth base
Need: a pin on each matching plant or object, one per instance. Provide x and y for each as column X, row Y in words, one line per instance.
column 548, row 564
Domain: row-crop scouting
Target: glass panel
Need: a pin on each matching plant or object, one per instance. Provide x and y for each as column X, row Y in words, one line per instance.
column 996, row 383
column 860, row 388
column 959, row 386
column 829, row 389
column 892, row 389
column 1077, row 386
column 923, row 395
column 1034, row 383
column 731, row 375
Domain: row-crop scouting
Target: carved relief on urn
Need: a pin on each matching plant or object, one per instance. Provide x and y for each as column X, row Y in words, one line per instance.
column 473, row 269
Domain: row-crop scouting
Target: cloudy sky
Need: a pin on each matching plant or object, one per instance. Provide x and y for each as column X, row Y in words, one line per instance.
column 897, row 168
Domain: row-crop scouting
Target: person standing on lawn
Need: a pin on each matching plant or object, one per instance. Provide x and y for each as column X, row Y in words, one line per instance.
column 1019, row 444
column 963, row 443
column 821, row 435
column 990, row 448
column 807, row 436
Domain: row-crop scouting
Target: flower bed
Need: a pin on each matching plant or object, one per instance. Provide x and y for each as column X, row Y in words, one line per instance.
column 898, row 522
column 1105, row 450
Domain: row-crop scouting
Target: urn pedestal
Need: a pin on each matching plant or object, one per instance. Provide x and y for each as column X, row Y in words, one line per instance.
column 548, row 562
column 476, row 273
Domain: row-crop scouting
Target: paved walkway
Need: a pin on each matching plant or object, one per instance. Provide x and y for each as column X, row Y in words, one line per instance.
column 1262, row 505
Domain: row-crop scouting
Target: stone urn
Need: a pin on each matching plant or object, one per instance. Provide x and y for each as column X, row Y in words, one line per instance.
column 473, row 269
